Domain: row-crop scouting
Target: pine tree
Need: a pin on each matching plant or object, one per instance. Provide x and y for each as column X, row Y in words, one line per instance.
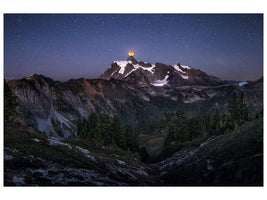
column 10, row 104
column 118, row 132
column 233, row 108
column 178, row 128
column 217, row 119
column 93, row 125
column 243, row 110
column 130, row 138
column 105, row 128
column 238, row 110
column 82, row 127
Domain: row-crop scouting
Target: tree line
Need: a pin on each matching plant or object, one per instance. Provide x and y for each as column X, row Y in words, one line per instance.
column 180, row 128
column 108, row 131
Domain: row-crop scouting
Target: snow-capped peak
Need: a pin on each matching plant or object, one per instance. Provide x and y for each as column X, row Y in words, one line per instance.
column 123, row 64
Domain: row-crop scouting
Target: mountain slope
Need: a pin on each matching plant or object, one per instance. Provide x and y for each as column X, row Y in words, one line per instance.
column 233, row 159
column 136, row 91
column 33, row 158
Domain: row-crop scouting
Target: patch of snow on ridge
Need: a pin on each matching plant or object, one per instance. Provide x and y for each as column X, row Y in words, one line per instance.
column 150, row 69
column 122, row 65
column 185, row 67
column 54, row 141
column 243, row 83
column 121, row 162
column 86, row 152
column 193, row 99
column 161, row 82
column 130, row 72
column 178, row 68
column 184, row 77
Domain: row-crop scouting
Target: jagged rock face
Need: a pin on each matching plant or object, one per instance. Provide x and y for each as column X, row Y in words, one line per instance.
column 137, row 93
column 158, row 75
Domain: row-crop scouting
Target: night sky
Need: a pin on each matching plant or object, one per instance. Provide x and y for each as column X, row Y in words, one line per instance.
column 229, row 46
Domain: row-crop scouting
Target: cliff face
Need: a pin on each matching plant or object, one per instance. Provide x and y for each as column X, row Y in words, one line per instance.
column 54, row 106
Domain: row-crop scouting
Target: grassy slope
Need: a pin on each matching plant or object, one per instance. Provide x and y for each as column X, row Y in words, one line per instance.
column 231, row 159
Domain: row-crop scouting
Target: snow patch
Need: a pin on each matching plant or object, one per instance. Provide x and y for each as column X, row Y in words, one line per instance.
column 185, row 67
column 178, row 68
column 36, row 140
column 86, row 152
column 141, row 172
column 122, row 65
column 130, row 72
column 161, row 82
column 121, row 162
column 211, row 94
column 150, row 69
column 243, row 83
column 53, row 141
column 193, row 99
column 184, row 77
column 146, row 98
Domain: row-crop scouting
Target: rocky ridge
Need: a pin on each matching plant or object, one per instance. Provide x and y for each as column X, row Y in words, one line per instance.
column 136, row 91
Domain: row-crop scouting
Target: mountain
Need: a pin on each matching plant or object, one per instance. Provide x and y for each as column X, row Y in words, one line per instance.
column 136, row 91
column 158, row 74
column 42, row 147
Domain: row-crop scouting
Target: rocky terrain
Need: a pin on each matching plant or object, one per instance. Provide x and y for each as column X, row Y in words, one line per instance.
column 42, row 147
column 136, row 91
column 32, row 158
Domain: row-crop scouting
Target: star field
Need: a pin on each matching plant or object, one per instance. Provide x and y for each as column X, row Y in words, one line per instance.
column 64, row 46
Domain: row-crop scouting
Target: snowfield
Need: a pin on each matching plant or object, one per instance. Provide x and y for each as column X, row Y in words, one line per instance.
column 160, row 83
column 243, row 83
column 184, row 77
column 178, row 68
column 123, row 64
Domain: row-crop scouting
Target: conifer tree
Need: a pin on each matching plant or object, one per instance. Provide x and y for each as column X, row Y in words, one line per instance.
column 105, row 128
column 130, row 138
column 238, row 110
column 93, row 125
column 118, row 132
column 10, row 103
